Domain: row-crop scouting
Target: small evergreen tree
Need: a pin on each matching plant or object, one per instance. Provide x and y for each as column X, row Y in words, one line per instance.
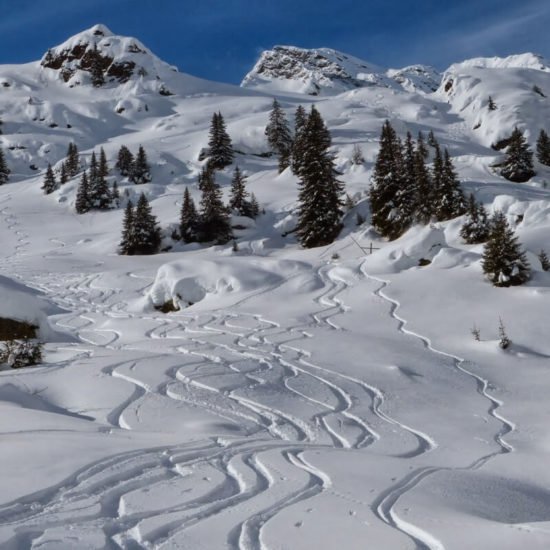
column 99, row 194
column 491, row 105
column 476, row 228
column 319, row 215
column 103, row 166
column 82, row 203
column 424, row 207
column 450, row 202
column 146, row 236
column 238, row 199
column 518, row 164
column 357, row 157
column 63, row 177
column 220, row 149
column 72, row 161
column 543, row 148
column 127, row 244
column 189, row 219
column 214, row 222
column 125, row 161
column 544, row 261
column 421, row 146
column 503, row 341
column 278, row 135
column 115, row 194
column 140, row 168
column 504, row 263
column 432, row 141
column 4, row 170
column 50, row 184
column 254, row 207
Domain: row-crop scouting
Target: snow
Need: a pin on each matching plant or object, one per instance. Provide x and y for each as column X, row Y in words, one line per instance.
column 299, row 398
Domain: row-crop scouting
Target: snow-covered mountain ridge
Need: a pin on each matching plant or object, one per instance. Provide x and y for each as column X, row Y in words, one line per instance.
column 324, row 70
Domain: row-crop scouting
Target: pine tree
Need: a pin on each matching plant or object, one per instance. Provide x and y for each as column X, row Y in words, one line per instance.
column 504, row 263
column 99, row 194
column 96, row 68
column 127, row 243
column 254, row 207
column 125, row 161
column 72, row 161
column 140, row 168
column 476, row 228
column 238, row 201
column 544, row 261
column 103, row 167
column 300, row 120
column 518, row 164
column 50, row 184
column 63, row 177
column 543, row 148
column 491, row 105
column 357, row 157
column 82, row 204
column 115, row 194
column 4, row 170
column 146, row 236
column 220, row 150
column 278, row 135
column 319, row 215
column 432, row 141
column 214, row 222
column 450, row 202
column 189, row 219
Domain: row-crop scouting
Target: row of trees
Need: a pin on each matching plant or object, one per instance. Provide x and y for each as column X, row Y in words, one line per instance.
column 210, row 223
column 406, row 191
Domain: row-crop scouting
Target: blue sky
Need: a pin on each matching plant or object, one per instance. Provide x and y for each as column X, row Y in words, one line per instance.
column 220, row 40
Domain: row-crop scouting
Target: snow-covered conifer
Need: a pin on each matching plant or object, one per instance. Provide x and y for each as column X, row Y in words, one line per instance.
column 279, row 136
column 518, row 163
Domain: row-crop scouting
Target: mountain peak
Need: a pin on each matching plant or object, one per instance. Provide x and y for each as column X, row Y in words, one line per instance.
column 322, row 71
column 120, row 58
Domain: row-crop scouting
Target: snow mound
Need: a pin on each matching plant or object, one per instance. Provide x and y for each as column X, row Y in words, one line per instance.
column 21, row 303
column 186, row 282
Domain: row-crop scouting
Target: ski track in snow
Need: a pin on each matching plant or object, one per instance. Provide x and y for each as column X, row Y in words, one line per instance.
column 267, row 356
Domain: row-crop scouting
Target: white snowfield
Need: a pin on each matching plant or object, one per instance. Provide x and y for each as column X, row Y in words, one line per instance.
column 299, row 399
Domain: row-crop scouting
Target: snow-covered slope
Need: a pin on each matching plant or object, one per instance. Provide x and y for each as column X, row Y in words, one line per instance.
column 302, row 399
column 519, row 86
column 325, row 71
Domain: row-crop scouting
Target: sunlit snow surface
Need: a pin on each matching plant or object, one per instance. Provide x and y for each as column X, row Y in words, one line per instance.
column 307, row 399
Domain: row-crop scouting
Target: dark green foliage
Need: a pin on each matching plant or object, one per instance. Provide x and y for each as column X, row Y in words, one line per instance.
column 72, row 161
column 115, row 194
column 504, row 263
column 220, row 150
column 50, row 184
column 140, row 168
column 543, row 148
column 491, row 105
column 254, row 207
column 503, row 341
column 214, row 222
column 544, row 261
column 189, row 219
column 238, row 199
column 518, row 164
column 63, row 177
column 477, row 227
column 300, row 120
column 4, row 170
column 141, row 234
column 278, row 135
column 103, row 166
column 432, row 142
column 319, row 215
column 449, row 200
column 99, row 194
column 125, row 161
column 11, row 329
column 357, row 157
column 424, row 207
column 83, row 204
column 127, row 244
